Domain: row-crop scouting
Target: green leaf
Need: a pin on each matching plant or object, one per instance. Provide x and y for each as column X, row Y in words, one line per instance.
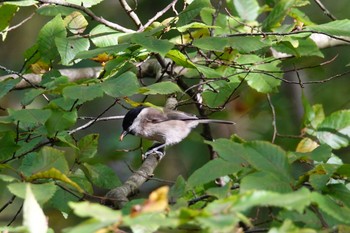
column 211, row 43
column 335, row 129
column 340, row 192
column 321, row 174
column 7, row 85
column 125, row 84
column 7, row 12
column 336, row 28
column 151, row 43
column 277, row 15
column 331, row 208
column 248, row 44
column 60, row 201
column 208, row 72
column 22, row 2
column 114, row 49
column 47, row 35
column 322, row 153
column 47, row 158
column 194, row 25
column 85, row 3
column 210, row 171
column 192, row 11
column 8, row 144
column 60, row 120
column 262, row 82
column 313, row 115
column 53, row 10
column 75, row 22
column 178, row 189
column 102, row 176
column 68, row 48
column 42, row 192
column 306, row 47
column 96, row 211
column 30, row 95
column 82, row 93
column 264, row 181
column 223, row 91
column 163, row 88
column 247, row 9
column 230, row 151
column 87, row 147
column 30, row 117
column 267, row 157
column 289, row 227
column 179, row 58
column 297, row 200
column 103, row 36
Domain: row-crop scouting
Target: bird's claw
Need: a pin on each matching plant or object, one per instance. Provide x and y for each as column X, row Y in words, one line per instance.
column 159, row 154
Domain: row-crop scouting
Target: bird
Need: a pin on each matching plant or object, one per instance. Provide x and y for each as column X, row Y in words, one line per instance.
column 163, row 126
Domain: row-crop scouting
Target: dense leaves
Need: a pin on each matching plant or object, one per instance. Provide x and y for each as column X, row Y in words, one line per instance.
column 204, row 55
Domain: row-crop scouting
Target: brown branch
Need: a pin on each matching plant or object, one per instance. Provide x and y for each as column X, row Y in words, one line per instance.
column 159, row 14
column 118, row 197
column 325, row 10
column 288, row 34
column 131, row 13
column 89, row 13
column 34, row 79
column 94, row 120
column 19, row 24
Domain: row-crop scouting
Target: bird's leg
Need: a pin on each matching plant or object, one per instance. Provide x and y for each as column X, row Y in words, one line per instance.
column 157, row 149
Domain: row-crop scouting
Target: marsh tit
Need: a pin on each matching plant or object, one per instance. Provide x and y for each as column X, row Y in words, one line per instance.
column 164, row 126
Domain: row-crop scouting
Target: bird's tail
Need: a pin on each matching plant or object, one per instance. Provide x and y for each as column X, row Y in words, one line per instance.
column 208, row 121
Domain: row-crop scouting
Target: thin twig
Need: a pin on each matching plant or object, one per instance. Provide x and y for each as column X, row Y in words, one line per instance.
column 131, row 13
column 24, row 78
column 96, row 119
column 274, row 125
column 287, row 34
column 19, row 24
column 15, row 216
column 159, row 14
column 325, row 10
column 89, row 13
column 8, row 203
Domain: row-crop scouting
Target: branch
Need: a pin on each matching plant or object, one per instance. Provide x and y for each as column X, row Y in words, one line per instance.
column 118, row 197
column 89, row 13
column 159, row 14
column 96, row 119
column 325, row 10
column 73, row 75
column 131, row 13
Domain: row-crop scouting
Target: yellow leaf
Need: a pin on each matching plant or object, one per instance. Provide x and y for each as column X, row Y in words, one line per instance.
column 156, row 202
column 306, row 145
column 136, row 104
column 39, row 67
column 55, row 174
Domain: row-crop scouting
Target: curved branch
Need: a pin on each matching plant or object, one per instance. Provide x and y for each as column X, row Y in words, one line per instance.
column 131, row 13
column 118, row 197
column 89, row 13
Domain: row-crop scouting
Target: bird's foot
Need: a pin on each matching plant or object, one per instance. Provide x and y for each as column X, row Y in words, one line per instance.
column 158, row 154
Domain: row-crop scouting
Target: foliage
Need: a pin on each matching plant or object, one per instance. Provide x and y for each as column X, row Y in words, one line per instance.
column 201, row 51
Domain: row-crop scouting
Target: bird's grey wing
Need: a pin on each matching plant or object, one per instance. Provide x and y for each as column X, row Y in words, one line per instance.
column 155, row 116
column 177, row 115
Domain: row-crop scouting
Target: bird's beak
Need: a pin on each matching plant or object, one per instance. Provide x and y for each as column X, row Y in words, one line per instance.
column 122, row 135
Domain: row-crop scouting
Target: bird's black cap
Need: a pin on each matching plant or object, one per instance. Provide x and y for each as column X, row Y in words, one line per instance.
column 130, row 117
